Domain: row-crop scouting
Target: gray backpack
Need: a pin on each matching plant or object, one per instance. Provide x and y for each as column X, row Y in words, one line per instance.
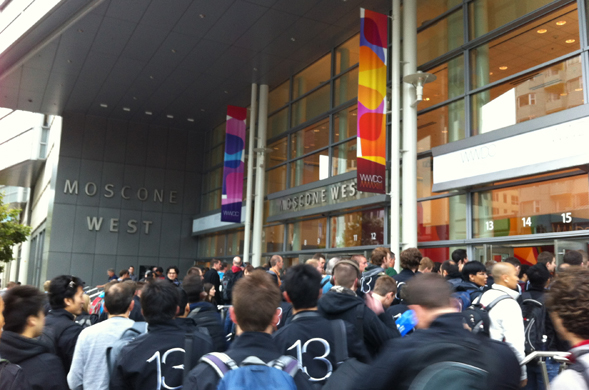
column 128, row 335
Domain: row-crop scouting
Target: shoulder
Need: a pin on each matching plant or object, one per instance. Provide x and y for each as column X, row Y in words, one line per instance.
column 568, row 379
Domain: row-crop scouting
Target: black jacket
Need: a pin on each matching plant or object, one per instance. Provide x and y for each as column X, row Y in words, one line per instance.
column 212, row 277
column 553, row 341
column 261, row 345
column 345, row 306
column 205, row 315
column 12, row 377
column 60, row 327
column 307, row 325
column 160, row 349
column 390, row 315
column 395, row 367
column 135, row 314
column 43, row 369
column 369, row 278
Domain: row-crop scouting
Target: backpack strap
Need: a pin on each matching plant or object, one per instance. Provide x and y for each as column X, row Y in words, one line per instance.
column 581, row 368
column 287, row 364
column 220, row 362
column 496, row 301
column 338, row 328
column 325, row 281
column 109, row 362
column 188, row 346
column 360, row 320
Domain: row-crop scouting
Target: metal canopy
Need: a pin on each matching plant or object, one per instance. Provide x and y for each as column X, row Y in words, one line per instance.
column 172, row 58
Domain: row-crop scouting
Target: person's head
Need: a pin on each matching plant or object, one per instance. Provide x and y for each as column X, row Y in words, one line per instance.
column 131, row 270
column 237, row 261
column 436, row 269
column 46, row 285
column 538, row 276
column 361, row 260
column 193, row 286
column 410, row 259
column 460, row 258
column 159, row 271
column 224, row 266
column 302, row 285
column 150, row 275
column 506, row 275
column 548, row 259
column 255, row 303
column 489, row 266
column 379, row 257
column 65, row 292
column 209, row 288
column 475, row 272
column 216, row 264
column 515, row 262
column 386, row 288
column 110, row 272
column 172, row 273
column 448, row 268
column 429, row 296
column 346, row 274
column 523, row 272
column 248, row 269
column 315, row 264
column 573, row 258
column 139, row 288
column 119, row 298
column 276, row 262
column 124, row 273
column 330, row 264
column 568, row 303
column 160, row 301
column 194, row 271
column 585, row 257
column 319, row 257
column 23, row 311
column 426, row 265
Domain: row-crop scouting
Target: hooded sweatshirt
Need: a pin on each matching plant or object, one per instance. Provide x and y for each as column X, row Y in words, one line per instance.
column 369, row 278
column 43, row 369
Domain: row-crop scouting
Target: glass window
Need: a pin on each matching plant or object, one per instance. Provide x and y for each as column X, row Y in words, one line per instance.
column 488, row 15
column 309, row 169
column 310, row 234
column 345, row 87
column 345, row 124
column 310, row 106
column 442, row 219
column 425, row 170
column 278, row 154
column 440, row 126
column 537, row 42
column 347, row 54
column 216, row 155
column 212, row 200
column 279, row 96
column 220, row 245
column 438, row 255
column 344, row 158
column 278, row 123
column 309, row 139
column 551, row 206
column 357, row 229
column 213, row 179
column 445, row 35
column 276, row 180
column 449, row 83
column 537, row 94
column 430, row 9
column 273, row 238
column 218, row 135
column 312, row 77
column 235, row 243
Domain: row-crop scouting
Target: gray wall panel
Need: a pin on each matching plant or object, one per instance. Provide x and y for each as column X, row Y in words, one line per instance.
column 154, row 180
column 156, row 149
column 128, row 244
column 134, row 177
column 174, row 181
column 72, row 135
column 62, row 233
column 106, row 241
column 83, row 266
column 94, row 138
column 136, row 150
column 176, row 149
column 115, row 142
column 170, row 235
column 69, row 169
column 112, row 173
column 101, row 264
column 60, row 263
column 90, row 182
column 149, row 244
column 84, row 238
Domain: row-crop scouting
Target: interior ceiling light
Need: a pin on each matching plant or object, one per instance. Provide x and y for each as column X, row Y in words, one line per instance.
column 103, row 105
column 503, row 67
column 190, row 119
column 170, row 116
column 561, row 22
column 19, row 17
column 542, row 31
column 570, row 41
column 202, row 109
column 578, row 89
column 202, row 16
column 293, row 39
column 173, row 50
column 126, row 109
column 148, row 113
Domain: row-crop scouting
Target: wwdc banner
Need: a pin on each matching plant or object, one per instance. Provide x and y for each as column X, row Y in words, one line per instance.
column 232, row 193
column 372, row 102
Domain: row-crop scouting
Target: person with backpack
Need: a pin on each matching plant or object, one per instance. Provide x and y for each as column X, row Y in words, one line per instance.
column 410, row 260
column 474, row 280
column 505, row 316
column 230, row 278
column 326, row 281
column 253, row 360
column 309, row 336
column 440, row 354
column 158, row 359
column 379, row 260
column 568, row 304
column 212, row 277
column 89, row 366
column 12, row 376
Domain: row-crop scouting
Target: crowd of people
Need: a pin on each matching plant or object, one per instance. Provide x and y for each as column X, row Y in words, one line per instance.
column 346, row 323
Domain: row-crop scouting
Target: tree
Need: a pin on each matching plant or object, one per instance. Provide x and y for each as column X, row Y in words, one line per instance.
column 12, row 232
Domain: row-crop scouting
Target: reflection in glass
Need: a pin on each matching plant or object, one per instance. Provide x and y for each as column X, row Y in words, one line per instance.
column 218, row 135
column 344, row 158
column 309, row 139
column 279, row 96
column 449, row 83
column 310, row 106
column 235, row 243
column 430, row 9
column 276, row 179
column 273, row 238
column 310, row 234
column 278, row 154
column 537, row 94
column 440, row 126
column 447, row 34
column 442, row 219
column 345, row 87
column 357, row 229
column 278, row 123
column 425, row 170
column 309, row 169
column 313, row 76
column 347, row 54
column 345, row 124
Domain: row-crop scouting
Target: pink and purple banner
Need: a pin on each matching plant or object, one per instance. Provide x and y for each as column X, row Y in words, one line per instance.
column 232, row 193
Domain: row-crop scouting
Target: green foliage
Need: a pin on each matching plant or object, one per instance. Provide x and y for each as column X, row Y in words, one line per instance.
column 11, row 231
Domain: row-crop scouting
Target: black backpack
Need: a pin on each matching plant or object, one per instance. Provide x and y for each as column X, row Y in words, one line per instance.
column 210, row 320
column 228, row 282
column 534, row 314
column 476, row 316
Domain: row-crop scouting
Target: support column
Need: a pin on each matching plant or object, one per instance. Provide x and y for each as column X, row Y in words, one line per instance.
column 395, row 130
column 247, row 237
column 409, row 167
column 260, row 177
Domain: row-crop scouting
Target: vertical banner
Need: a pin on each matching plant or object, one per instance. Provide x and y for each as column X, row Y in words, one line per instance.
column 232, row 193
column 372, row 102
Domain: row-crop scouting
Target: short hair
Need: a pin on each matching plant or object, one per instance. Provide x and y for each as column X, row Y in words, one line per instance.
column 249, row 268
column 123, row 272
column 207, row 287
column 111, row 270
column 569, row 298
column 330, row 264
column 11, row 284
column 131, row 266
column 275, row 260
column 584, row 254
column 523, row 270
column 562, row 267
column 255, row 301
column 545, row 257
column 62, row 287
column 302, row 283
column 410, row 258
column 472, row 268
column 428, row 290
column 384, row 285
column 426, row 263
column 513, row 261
column 193, row 271
column 173, row 268
column 459, row 255
column 21, row 302
column 379, row 256
column 313, row 262
column 224, row 265
column 46, row 285
column 436, row 268
column 193, row 286
column 159, row 269
column 345, row 273
column 118, row 297
column 538, row 275
column 573, row 258
column 357, row 257
column 450, row 267
column 183, row 301
column 159, row 301
column 489, row 266
column 318, row 256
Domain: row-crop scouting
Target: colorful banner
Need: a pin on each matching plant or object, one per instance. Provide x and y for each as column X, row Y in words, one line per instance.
column 372, row 102
column 232, row 193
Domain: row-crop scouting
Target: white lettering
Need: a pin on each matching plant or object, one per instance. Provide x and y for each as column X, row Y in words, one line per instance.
column 94, row 223
column 114, row 225
column 344, row 187
column 132, row 224
column 123, row 194
column 147, row 225
column 323, row 194
column 109, row 188
column 173, row 195
column 158, row 195
column 87, row 189
column 145, row 194
column 334, row 193
column 71, row 188
column 353, row 189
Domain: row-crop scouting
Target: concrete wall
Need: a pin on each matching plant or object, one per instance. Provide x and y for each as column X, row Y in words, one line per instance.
column 156, row 168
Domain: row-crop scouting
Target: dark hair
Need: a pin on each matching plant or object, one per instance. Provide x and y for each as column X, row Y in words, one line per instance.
column 194, row 271
column 569, row 298
column 215, row 261
column 302, row 283
column 159, row 301
column 173, row 268
column 62, row 287
column 255, row 301
column 384, row 285
column 459, row 255
column 523, row 269
column 573, row 258
column 149, row 275
column 472, row 268
column 224, row 265
column 513, row 261
column 249, row 268
column 450, row 267
column 20, row 302
column 118, row 297
column 545, row 257
column 159, row 269
column 379, row 256
column 538, row 275
column 192, row 284
column 183, row 301
column 123, row 272
column 436, row 268
column 428, row 290
column 318, row 256
column 410, row 258
column 345, row 272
